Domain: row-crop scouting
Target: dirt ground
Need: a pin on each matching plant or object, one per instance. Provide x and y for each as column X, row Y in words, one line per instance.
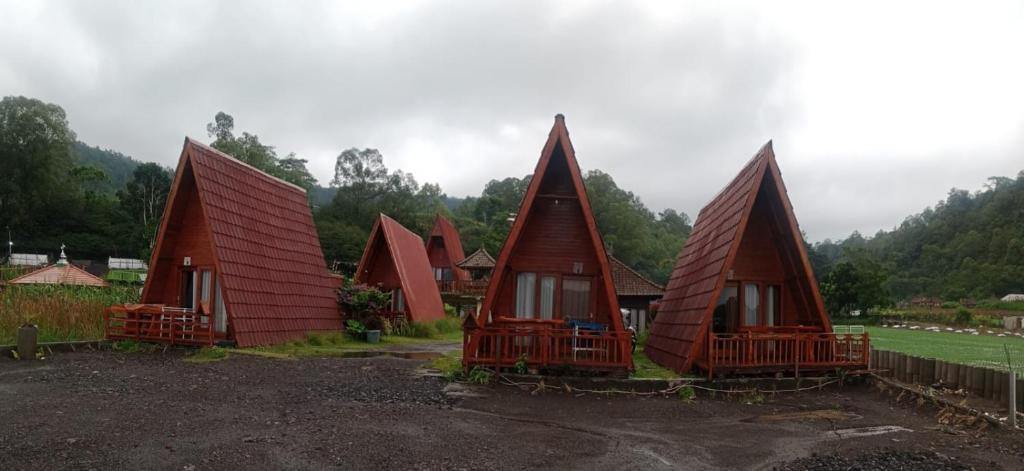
column 107, row 410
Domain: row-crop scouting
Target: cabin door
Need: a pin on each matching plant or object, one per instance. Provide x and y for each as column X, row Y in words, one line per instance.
column 727, row 312
column 187, row 297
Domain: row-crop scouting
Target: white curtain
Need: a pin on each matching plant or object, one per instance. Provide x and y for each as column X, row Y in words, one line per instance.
column 526, row 289
column 220, row 318
column 751, row 300
column 547, row 297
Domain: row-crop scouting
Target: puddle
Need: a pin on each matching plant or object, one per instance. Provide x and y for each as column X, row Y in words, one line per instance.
column 422, row 355
column 868, row 431
column 823, row 414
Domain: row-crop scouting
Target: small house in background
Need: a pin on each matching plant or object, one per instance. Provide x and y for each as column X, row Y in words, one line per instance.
column 742, row 296
column 28, row 260
column 237, row 259
column 551, row 299
column 1013, row 298
column 479, row 265
column 126, row 270
column 395, row 260
column 636, row 294
column 444, row 250
column 60, row 273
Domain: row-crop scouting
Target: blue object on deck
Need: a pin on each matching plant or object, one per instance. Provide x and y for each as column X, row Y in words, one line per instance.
column 584, row 325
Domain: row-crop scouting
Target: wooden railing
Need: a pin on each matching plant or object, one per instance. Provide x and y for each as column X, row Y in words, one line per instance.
column 542, row 347
column 786, row 351
column 463, row 287
column 158, row 323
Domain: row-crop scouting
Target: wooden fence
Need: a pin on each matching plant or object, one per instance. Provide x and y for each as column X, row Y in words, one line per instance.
column 547, row 347
column 987, row 383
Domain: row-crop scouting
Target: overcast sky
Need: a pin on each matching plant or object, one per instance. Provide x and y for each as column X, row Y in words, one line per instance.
column 876, row 109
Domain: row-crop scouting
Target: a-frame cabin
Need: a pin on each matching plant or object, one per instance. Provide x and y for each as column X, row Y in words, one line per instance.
column 444, row 250
column 237, row 258
column 395, row 261
column 551, row 299
column 742, row 296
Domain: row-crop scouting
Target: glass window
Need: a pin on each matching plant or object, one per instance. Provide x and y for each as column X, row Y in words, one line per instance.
column 771, row 305
column 576, row 298
column 547, row 297
column 526, row 289
column 751, row 301
column 220, row 318
column 398, row 300
column 207, row 278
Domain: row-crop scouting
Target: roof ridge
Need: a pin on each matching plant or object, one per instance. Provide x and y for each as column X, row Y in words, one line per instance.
column 761, row 153
column 231, row 158
column 627, row 267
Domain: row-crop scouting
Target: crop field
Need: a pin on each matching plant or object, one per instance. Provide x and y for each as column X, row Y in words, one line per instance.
column 978, row 350
column 62, row 313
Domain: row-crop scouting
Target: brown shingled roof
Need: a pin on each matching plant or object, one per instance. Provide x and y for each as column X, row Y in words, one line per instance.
column 477, row 260
column 275, row 283
column 630, row 283
column 701, row 270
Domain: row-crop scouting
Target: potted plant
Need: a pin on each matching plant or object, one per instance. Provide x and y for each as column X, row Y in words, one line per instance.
column 363, row 306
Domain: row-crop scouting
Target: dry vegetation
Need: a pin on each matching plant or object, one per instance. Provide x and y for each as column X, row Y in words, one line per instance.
column 62, row 313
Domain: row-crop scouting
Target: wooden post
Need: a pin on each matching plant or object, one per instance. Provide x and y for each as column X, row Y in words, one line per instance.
column 1013, row 398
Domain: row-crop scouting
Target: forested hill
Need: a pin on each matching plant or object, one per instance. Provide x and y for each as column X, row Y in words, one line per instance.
column 971, row 245
column 117, row 166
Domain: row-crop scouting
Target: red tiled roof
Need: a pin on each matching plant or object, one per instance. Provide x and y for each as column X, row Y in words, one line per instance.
column 444, row 229
column 407, row 252
column 701, row 270
column 58, row 274
column 274, row 280
column 630, row 283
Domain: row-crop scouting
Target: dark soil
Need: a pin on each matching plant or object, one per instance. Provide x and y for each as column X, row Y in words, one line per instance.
column 106, row 410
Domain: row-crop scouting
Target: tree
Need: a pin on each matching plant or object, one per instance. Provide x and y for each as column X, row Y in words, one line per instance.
column 144, row 198
column 250, row 150
column 35, row 155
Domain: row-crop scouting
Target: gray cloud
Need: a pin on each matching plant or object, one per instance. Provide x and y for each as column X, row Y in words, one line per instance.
column 670, row 103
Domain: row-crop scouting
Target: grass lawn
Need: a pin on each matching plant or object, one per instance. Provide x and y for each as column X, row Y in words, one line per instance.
column 978, row 350
column 643, row 367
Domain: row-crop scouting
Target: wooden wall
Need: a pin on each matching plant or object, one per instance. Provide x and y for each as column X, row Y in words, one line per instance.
column 555, row 237
column 766, row 254
column 381, row 267
column 438, row 254
column 186, row 235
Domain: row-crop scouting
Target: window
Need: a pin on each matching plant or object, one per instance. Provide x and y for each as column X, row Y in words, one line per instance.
column 204, row 297
column 576, row 298
column 526, row 289
column 443, row 274
column 397, row 300
column 751, row 303
column 726, row 313
column 771, row 305
column 547, row 297
column 220, row 318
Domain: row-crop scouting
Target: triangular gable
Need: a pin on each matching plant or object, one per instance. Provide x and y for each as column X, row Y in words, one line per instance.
column 266, row 251
column 558, row 139
column 408, row 258
column 702, row 268
column 477, row 260
column 444, row 229
column 57, row 274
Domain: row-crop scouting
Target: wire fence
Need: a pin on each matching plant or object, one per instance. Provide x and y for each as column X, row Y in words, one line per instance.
column 1014, row 360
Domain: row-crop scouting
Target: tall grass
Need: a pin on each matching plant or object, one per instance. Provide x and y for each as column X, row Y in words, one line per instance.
column 62, row 313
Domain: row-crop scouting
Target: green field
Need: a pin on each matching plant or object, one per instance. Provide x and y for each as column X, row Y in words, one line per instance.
column 978, row 350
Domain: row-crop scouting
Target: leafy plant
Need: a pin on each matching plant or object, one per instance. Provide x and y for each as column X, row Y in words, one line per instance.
column 480, row 375
column 521, row 366
column 963, row 316
column 450, row 311
column 687, row 394
column 363, row 303
column 355, row 328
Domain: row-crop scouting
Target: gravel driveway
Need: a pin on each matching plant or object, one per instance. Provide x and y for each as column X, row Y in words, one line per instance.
column 106, row 410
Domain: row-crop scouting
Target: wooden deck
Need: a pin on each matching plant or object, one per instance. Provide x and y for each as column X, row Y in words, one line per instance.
column 776, row 352
column 463, row 287
column 547, row 347
column 159, row 324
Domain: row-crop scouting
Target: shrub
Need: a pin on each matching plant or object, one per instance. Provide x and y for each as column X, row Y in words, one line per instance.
column 687, row 393
column 423, row 329
column 950, row 305
column 362, row 302
column 480, row 375
column 450, row 311
column 963, row 317
column 355, row 328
